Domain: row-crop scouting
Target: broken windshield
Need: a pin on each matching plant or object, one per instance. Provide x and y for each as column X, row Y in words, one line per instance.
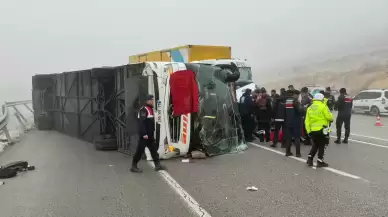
column 218, row 115
column 245, row 73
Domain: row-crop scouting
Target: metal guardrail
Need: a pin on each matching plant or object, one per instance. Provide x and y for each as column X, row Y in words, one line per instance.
column 5, row 116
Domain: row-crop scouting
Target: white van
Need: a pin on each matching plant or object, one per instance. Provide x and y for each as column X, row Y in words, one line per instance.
column 373, row 101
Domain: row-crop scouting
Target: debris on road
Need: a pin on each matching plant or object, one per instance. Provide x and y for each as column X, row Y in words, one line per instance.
column 198, row 155
column 252, row 188
column 185, row 160
column 2, row 183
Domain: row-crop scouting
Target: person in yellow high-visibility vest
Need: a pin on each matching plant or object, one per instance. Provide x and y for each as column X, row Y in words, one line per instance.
column 317, row 120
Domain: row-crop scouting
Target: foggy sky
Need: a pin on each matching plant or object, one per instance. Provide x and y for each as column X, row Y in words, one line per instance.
column 50, row 36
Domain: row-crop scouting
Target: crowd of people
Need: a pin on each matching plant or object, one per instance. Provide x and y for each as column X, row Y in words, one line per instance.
column 295, row 117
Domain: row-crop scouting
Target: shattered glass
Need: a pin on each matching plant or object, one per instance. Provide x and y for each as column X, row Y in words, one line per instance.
column 218, row 123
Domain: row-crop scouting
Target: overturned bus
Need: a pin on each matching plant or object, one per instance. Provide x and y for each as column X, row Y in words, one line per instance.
column 212, row 124
column 195, row 109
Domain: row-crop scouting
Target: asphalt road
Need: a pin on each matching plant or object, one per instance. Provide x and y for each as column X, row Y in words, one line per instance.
column 73, row 179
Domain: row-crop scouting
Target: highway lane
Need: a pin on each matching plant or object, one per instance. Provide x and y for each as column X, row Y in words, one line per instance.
column 286, row 186
column 356, row 184
column 73, row 179
column 363, row 127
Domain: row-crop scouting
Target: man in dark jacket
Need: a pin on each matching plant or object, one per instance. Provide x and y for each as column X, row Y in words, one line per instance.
column 293, row 122
column 330, row 98
column 263, row 114
column 279, row 113
column 306, row 102
column 146, row 135
column 246, row 112
column 344, row 106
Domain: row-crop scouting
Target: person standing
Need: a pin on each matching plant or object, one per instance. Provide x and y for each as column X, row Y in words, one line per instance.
column 318, row 118
column 279, row 113
column 246, row 112
column 263, row 115
column 146, row 136
column 330, row 98
column 344, row 106
column 306, row 102
column 293, row 122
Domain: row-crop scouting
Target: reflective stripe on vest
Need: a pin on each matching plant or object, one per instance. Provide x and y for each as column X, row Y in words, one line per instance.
column 150, row 112
column 348, row 99
column 289, row 104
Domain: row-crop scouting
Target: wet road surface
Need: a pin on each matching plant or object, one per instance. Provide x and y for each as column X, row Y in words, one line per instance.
column 72, row 179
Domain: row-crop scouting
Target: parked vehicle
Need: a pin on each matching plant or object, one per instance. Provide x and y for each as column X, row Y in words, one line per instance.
column 373, row 101
column 315, row 90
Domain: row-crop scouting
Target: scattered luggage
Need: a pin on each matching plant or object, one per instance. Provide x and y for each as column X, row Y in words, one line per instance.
column 10, row 170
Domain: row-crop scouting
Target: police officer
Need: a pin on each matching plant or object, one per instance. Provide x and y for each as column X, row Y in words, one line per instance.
column 146, row 135
column 293, row 122
column 344, row 106
column 246, row 112
column 330, row 100
column 317, row 122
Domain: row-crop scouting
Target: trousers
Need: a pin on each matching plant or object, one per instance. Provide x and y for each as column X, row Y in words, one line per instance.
column 339, row 122
column 142, row 144
column 319, row 143
column 292, row 133
column 278, row 125
column 267, row 128
column 248, row 125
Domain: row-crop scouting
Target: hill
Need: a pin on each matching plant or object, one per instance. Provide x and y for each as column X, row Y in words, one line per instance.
column 354, row 72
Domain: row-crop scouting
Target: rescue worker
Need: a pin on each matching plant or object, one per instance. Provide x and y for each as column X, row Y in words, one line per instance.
column 344, row 106
column 330, row 100
column 246, row 112
column 279, row 112
column 317, row 122
column 146, row 136
column 306, row 102
column 293, row 122
column 263, row 109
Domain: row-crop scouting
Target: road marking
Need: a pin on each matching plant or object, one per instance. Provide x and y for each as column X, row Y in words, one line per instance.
column 366, row 143
column 338, row 172
column 369, row 137
column 190, row 201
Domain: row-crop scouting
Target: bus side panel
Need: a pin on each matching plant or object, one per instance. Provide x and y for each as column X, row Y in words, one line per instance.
column 198, row 52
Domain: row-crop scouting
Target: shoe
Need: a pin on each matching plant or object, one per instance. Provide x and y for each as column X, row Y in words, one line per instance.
column 321, row 163
column 309, row 162
column 298, row 155
column 160, row 167
column 135, row 169
column 337, row 141
column 289, row 154
column 345, row 141
column 273, row 146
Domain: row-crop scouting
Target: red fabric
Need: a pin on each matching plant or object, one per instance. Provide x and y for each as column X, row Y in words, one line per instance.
column 280, row 136
column 184, row 92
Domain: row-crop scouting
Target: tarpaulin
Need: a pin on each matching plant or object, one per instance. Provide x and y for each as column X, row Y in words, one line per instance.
column 184, row 92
